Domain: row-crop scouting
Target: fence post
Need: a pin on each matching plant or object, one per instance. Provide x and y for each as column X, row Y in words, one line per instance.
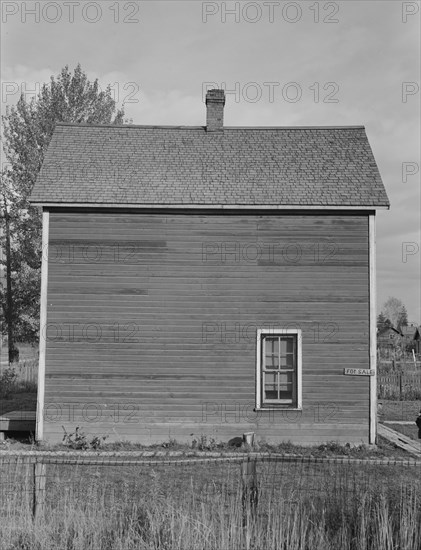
column 249, row 487
column 400, row 385
column 39, row 489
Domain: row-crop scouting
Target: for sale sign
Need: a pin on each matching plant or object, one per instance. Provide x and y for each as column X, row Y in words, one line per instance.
column 359, row 372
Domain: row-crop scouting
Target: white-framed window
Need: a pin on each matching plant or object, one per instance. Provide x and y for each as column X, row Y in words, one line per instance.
column 279, row 369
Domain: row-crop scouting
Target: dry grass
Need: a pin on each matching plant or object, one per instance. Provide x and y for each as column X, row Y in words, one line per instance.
column 19, row 401
column 398, row 410
column 405, row 429
column 177, row 507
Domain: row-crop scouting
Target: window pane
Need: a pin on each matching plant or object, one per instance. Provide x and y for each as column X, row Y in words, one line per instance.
column 290, row 345
column 287, row 395
column 285, row 379
column 289, row 361
column 283, row 346
column 287, row 352
column 271, row 386
column 271, row 346
column 271, row 362
column 285, row 385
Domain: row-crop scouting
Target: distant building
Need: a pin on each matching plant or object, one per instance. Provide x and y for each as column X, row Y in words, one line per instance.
column 411, row 337
column 405, row 338
column 388, row 339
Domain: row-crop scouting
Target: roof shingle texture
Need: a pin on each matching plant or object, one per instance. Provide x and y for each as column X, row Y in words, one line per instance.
column 170, row 166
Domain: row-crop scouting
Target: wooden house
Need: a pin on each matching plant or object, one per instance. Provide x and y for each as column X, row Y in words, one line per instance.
column 403, row 339
column 209, row 280
column 388, row 339
column 411, row 338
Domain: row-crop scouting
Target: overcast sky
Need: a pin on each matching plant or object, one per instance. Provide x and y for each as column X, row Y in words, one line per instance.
column 329, row 63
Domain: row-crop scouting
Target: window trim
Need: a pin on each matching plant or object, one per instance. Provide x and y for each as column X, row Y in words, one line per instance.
column 278, row 332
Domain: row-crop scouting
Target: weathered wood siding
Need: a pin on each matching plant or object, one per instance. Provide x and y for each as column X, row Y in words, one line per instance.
column 152, row 319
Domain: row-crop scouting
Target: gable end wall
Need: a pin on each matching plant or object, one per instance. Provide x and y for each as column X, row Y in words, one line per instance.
column 152, row 319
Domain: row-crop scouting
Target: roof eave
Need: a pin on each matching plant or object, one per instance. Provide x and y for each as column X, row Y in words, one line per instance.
column 210, row 206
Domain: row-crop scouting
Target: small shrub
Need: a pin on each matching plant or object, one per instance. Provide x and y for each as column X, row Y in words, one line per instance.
column 124, row 446
column 26, row 386
column 333, row 447
column 8, row 382
column 78, row 440
column 170, row 444
column 235, row 442
column 96, row 441
column 204, row 444
column 286, row 447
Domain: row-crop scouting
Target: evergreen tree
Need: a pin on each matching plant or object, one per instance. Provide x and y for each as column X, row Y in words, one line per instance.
column 382, row 322
column 403, row 318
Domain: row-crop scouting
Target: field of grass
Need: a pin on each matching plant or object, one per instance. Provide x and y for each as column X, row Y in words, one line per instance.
column 398, row 410
column 200, row 507
column 406, row 429
column 22, row 401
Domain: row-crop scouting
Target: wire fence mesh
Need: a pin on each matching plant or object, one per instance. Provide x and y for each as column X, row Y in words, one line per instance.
column 197, row 496
column 120, row 477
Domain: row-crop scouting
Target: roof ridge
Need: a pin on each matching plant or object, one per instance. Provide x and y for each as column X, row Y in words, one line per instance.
column 183, row 127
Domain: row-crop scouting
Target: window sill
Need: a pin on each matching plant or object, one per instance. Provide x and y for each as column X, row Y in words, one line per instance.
column 281, row 408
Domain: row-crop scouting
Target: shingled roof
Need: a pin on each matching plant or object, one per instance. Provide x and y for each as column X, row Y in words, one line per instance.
column 173, row 166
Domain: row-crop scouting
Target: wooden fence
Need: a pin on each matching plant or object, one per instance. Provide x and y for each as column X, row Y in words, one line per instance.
column 402, row 364
column 27, row 371
column 399, row 385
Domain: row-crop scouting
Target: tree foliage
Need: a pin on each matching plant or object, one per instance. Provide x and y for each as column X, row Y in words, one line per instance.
column 392, row 309
column 403, row 318
column 382, row 322
column 27, row 131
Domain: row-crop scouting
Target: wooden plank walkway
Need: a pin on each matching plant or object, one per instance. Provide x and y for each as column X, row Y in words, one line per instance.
column 17, row 421
column 401, row 422
column 410, row 445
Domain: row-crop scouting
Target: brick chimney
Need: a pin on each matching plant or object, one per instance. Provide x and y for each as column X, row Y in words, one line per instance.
column 215, row 101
